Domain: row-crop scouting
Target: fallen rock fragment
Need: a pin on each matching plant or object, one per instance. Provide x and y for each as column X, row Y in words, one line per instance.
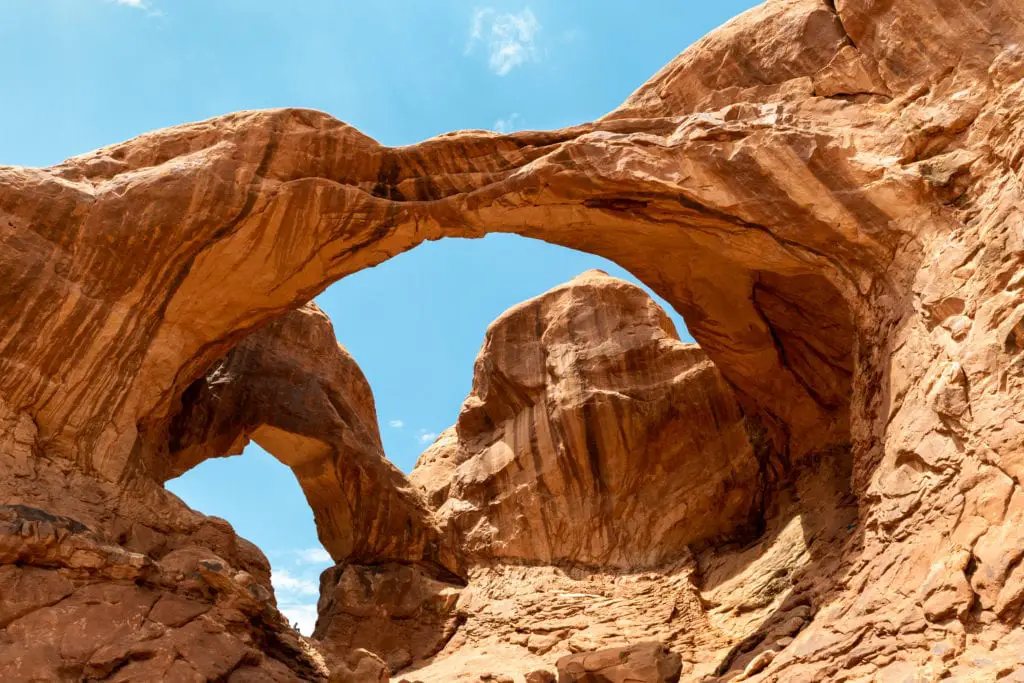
column 647, row 662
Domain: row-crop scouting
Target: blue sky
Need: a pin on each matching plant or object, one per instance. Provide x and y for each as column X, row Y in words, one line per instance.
column 80, row 74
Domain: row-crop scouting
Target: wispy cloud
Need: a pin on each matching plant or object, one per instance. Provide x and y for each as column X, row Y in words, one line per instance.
column 510, row 39
column 427, row 436
column 301, row 613
column 294, row 585
column 508, row 124
column 396, row 424
column 294, row 588
column 139, row 4
column 313, row 556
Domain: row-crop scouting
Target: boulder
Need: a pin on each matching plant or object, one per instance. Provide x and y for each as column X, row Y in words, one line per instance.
column 647, row 662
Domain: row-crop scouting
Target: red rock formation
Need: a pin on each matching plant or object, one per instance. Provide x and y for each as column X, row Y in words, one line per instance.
column 828, row 192
column 77, row 546
column 587, row 414
column 640, row 662
column 295, row 391
column 565, row 537
column 593, row 438
column 79, row 606
column 399, row 612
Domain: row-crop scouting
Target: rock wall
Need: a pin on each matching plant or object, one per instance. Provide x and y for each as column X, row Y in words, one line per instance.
column 604, row 487
column 828, row 192
column 125, row 583
column 592, row 436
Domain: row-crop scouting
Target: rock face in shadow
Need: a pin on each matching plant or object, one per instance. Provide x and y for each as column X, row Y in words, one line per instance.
column 592, row 436
column 830, row 193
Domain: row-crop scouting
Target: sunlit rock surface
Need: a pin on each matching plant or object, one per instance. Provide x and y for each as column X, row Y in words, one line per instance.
column 829, row 193
column 592, row 436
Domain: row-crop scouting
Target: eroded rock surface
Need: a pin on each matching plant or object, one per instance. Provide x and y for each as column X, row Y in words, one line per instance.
column 830, row 194
column 592, row 436
column 398, row 611
column 191, row 600
column 641, row 662
column 291, row 388
column 75, row 605
column 724, row 609
column 594, row 442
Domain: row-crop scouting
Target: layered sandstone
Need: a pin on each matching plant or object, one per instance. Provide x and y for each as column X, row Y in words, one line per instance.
column 189, row 598
column 143, row 590
column 594, row 442
column 640, row 662
column 830, row 194
column 723, row 609
column 592, row 436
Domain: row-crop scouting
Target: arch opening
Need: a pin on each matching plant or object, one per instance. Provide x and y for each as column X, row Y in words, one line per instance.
column 372, row 519
column 260, row 497
column 295, row 361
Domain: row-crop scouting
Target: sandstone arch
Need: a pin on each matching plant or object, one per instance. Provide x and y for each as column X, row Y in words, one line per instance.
column 861, row 152
column 294, row 199
column 292, row 389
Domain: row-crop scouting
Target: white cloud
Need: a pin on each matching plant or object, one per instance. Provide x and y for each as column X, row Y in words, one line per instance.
column 510, row 39
column 139, row 4
column 286, row 583
column 296, row 588
column 396, row 424
column 313, row 556
column 508, row 124
column 303, row 614
column 426, row 436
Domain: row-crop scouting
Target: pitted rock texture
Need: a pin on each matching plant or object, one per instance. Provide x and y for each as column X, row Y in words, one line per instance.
column 586, row 418
column 829, row 193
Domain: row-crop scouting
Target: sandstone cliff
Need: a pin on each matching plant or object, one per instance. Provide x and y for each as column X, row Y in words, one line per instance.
column 829, row 193
column 587, row 415
column 595, row 452
column 602, row 486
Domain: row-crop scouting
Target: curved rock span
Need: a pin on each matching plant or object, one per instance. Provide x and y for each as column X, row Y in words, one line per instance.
column 829, row 193
column 295, row 391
